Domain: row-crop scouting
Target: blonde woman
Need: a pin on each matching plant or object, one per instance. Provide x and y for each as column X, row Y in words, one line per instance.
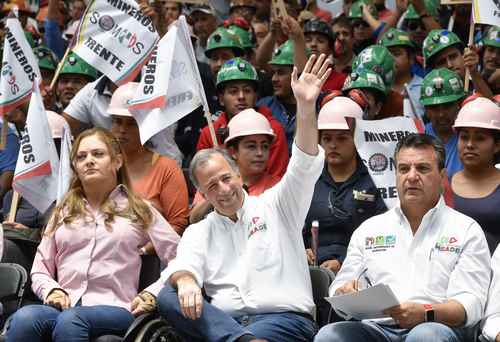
column 86, row 269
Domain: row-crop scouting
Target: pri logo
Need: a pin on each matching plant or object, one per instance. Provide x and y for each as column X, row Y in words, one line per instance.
column 106, row 23
column 257, row 224
column 378, row 162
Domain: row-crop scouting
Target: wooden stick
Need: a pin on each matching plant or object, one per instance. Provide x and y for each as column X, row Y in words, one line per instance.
column 5, row 130
column 469, row 45
column 13, row 206
column 208, row 116
column 452, row 21
column 59, row 67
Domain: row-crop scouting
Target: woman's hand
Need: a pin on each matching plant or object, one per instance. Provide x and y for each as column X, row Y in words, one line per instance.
column 58, row 299
column 143, row 303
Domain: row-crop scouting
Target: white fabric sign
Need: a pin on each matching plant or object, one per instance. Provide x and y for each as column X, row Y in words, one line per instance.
column 116, row 38
column 65, row 173
column 486, row 12
column 161, row 101
column 35, row 177
column 19, row 68
column 376, row 141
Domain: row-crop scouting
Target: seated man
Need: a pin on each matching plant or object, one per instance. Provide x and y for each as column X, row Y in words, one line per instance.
column 249, row 254
column 491, row 324
column 435, row 259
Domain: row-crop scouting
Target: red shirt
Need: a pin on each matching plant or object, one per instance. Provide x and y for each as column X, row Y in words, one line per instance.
column 278, row 155
column 335, row 81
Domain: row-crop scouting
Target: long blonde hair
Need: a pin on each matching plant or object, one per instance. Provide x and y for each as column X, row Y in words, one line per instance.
column 73, row 206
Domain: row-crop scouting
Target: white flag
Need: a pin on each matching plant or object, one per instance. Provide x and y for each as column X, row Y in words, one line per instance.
column 376, row 141
column 116, row 38
column 161, row 101
column 35, row 177
column 19, row 68
column 65, row 173
column 486, row 12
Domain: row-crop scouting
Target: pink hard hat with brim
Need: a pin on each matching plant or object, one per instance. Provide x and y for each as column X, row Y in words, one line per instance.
column 249, row 122
column 333, row 113
column 120, row 99
column 56, row 124
column 479, row 113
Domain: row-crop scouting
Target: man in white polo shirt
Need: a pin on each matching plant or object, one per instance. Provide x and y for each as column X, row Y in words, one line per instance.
column 435, row 259
column 249, row 253
column 491, row 325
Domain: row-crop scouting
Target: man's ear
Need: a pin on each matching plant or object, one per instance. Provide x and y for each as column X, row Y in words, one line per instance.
column 119, row 162
column 220, row 96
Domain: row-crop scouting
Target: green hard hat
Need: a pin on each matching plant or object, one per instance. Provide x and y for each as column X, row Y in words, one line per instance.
column 46, row 59
column 356, row 12
column 492, row 37
column 395, row 37
column 223, row 38
column 75, row 65
column 436, row 41
column 284, row 54
column 376, row 58
column 441, row 86
column 244, row 35
column 365, row 79
column 236, row 69
column 430, row 5
column 30, row 39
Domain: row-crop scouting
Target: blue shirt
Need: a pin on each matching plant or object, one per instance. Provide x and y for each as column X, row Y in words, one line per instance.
column 8, row 157
column 280, row 113
column 453, row 163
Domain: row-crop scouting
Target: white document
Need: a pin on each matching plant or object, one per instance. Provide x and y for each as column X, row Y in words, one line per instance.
column 365, row 304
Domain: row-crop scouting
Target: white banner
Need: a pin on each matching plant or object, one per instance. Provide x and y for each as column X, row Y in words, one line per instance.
column 19, row 68
column 486, row 12
column 35, row 177
column 116, row 38
column 65, row 173
column 161, row 101
column 376, row 141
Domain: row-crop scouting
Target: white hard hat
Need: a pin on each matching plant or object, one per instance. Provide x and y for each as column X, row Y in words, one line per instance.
column 481, row 113
column 248, row 122
column 333, row 113
column 119, row 101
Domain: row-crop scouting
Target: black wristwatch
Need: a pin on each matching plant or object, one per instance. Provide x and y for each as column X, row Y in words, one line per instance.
column 429, row 313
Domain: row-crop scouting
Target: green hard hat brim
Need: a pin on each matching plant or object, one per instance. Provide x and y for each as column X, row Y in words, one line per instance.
column 491, row 42
column 238, row 51
column 437, row 100
column 382, row 91
column 278, row 62
column 430, row 57
column 398, row 43
column 221, row 84
column 47, row 65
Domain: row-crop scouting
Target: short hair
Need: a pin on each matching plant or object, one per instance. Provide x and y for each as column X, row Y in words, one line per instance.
column 421, row 140
column 342, row 21
column 203, row 156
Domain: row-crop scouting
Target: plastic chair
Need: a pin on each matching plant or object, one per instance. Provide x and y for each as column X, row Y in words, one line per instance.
column 13, row 278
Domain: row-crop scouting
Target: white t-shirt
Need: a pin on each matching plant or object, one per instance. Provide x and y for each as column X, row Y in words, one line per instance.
column 491, row 323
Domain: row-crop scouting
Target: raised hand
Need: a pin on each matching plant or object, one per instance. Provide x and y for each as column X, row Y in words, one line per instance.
column 307, row 87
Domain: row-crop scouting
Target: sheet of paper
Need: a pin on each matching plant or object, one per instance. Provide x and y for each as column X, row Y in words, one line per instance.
column 365, row 304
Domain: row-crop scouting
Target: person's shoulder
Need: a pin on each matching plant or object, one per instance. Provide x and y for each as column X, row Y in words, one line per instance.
column 265, row 101
column 458, row 219
column 376, row 222
column 166, row 162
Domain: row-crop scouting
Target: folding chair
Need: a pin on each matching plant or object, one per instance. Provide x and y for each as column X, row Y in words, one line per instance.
column 13, row 278
column 321, row 278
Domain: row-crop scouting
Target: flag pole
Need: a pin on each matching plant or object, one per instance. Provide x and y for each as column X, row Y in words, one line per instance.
column 470, row 42
column 13, row 206
column 5, row 130
column 59, row 67
column 211, row 128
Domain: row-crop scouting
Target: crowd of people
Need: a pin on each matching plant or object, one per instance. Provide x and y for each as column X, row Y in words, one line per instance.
column 237, row 223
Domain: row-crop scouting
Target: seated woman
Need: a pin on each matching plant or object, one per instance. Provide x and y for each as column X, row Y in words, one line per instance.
column 344, row 195
column 249, row 140
column 86, row 269
column 156, row 178
column 476, row 189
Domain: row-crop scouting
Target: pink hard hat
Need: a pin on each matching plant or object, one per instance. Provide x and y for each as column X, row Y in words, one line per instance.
column 333, row 113
column 56, row 124
column 248, row 122
column 480, row 113
column 119, row 101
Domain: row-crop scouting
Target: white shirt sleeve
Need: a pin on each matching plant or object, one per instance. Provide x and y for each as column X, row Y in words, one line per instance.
column 491, row 323
column 472, row 268
column 78, row 107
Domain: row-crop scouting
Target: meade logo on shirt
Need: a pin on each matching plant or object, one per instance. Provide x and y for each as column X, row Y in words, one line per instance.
column 380, row 242
column 448, row 244
column 256, row 225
